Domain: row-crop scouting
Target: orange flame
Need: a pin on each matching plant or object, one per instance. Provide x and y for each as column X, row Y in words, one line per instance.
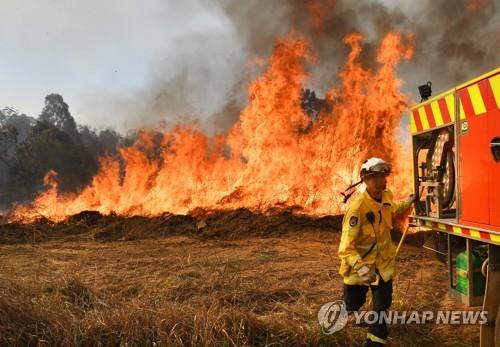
column 274, row 157
column 475, row 5
column 317, row 10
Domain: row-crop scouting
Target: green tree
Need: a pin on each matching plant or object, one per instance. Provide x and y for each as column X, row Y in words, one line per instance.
column 8, row 141
column 56, row 112
column 49, row 148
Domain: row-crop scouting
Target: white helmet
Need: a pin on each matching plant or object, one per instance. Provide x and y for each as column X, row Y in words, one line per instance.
column 370, row 167
column 373, row 166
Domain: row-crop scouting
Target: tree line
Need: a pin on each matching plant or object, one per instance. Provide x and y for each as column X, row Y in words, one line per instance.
column 30, row 147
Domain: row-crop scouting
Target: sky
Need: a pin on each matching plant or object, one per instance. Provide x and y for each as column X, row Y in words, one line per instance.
column 125, row 63
column 96, row 51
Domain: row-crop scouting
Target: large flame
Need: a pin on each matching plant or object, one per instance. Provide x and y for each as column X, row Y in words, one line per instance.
column 274, row 157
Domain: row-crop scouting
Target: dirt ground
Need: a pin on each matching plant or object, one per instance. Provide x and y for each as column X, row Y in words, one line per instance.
column 81, row 287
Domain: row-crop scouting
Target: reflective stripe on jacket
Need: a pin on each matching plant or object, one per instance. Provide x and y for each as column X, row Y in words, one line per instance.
column 366, row 236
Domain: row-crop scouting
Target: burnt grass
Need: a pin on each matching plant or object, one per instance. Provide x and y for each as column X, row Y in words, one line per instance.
column 226, row 278
column 235, row 224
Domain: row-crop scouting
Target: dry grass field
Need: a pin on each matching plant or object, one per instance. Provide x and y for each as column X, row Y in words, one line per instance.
column 96, row 284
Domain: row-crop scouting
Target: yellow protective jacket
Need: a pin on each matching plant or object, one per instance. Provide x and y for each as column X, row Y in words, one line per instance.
column 366, row 236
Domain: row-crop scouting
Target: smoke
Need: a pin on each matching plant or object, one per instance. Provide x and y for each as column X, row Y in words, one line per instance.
column 204, row 76
column 455, row 40
column 192, row 80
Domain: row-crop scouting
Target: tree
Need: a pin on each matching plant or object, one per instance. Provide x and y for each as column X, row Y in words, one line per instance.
column 56, row 112
column 48, row 148
column 8, row 141
column 30, row 147
column 109, row 140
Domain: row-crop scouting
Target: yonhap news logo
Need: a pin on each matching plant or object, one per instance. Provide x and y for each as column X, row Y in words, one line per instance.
column 333, row 317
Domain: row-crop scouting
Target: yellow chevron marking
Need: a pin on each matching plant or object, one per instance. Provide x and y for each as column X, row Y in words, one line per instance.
column 475, row 233
column 495, row 238
column 457, row 230
column 423, row 118
column 495, row 86
column 413, row 126
column 450, row 103
column 461, row 111
column 438, row 118
column 477, row 99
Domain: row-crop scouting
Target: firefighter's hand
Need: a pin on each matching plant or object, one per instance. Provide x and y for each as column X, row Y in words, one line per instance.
column 367, row 274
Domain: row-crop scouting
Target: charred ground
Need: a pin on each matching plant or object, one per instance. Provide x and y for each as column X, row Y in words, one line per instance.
column 225, row 278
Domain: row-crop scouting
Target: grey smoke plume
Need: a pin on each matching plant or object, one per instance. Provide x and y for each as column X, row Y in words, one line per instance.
column 454, row 41
column 206, row 77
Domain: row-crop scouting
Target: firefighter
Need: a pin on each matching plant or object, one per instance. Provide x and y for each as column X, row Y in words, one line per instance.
column 366, row 250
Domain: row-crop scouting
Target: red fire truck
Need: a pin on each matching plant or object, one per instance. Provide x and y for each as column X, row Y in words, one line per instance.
column 456, row 163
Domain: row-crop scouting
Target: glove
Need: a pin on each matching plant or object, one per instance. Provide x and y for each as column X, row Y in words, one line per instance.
column 367, row 274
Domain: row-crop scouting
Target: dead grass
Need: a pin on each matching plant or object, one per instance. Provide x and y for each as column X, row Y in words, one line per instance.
column 183, row 291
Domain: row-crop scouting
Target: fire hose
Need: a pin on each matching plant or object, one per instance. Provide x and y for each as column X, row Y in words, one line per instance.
column 408, row 226
column 484, row 267
column 401, row 241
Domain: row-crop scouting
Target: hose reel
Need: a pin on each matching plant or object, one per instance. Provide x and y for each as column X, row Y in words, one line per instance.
column 438, row 173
